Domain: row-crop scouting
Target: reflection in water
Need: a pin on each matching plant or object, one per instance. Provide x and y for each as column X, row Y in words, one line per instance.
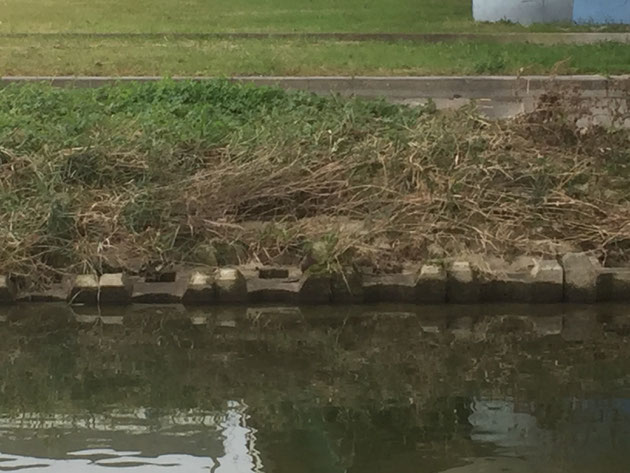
column 324, row 391
column 220, row 443
column 240, row 455
column 112, row 460
column 228, row 444
column 499, row 423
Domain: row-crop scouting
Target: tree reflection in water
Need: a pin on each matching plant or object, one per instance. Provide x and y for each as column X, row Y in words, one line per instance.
column 315, row 390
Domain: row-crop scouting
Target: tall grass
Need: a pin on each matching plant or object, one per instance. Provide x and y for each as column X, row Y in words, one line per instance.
column 146, row 175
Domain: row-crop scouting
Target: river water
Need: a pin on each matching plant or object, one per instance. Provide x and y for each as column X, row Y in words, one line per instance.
column 365, row 390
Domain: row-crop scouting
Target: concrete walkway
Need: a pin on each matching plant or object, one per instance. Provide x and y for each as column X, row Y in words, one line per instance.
column 496, row 96
column 535, row 38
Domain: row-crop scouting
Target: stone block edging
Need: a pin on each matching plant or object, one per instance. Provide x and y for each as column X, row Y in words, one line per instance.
column 576, row 278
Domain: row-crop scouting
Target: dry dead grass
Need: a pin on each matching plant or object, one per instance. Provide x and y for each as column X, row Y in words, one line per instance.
column 371, row 191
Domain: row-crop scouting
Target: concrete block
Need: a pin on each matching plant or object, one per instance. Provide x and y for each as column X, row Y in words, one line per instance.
column 112, row 320
column 86, row 314
column 547, row 326
column 315, row 289
column 158, row 292
column 275, row 317
column 87, row 319
column 58, row 292
column 85, row 289
column 462, row 327
column 39, row 318
column 136, row 312
column 548, row 282
column 114, row 288
column 581, row 273
column 230, row 286
column 347, row 287
column 619, row 324
column 400, row 315
column 7, row 290
column 200, row 289
column 433, row 325
column 497, row 324
column 581, row 326
column 395, row 288
column 538, row 282
column 273, row 273
column 199, row 320
column 226, row 319
column 462, row 286
column 431, row 285
column 613, row 285
column 286, row 291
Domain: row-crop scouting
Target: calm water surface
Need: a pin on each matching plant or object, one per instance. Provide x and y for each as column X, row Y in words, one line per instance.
column 387, row 390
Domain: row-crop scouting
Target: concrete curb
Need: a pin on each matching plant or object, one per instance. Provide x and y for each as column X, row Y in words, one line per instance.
column 495, row 96
column 389, row 86
column 506, row 37
column 577, row 279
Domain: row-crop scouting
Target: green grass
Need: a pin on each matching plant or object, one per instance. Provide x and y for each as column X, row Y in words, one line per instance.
column 146, row 175
column 408, row 16
column 178, row 56
column 267, row 57
column 232, row 15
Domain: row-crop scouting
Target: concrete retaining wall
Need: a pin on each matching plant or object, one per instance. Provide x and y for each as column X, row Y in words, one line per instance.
column 577, row 278
column 496, row 96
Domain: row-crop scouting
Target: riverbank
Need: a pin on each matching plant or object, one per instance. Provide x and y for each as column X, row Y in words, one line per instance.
column 141, row 178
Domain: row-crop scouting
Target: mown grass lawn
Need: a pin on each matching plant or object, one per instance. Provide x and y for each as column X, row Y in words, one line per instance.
column 37, row 54
column 271, row 57
column 89, row 16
